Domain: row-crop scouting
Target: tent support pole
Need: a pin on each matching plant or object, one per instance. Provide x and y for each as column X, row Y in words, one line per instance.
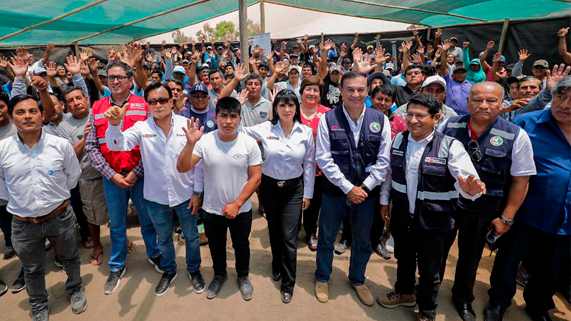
column 262, row 16
column 504, row 35
column 243, row 15
column 76, row 50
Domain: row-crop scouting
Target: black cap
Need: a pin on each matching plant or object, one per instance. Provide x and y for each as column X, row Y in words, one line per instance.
column 510, row 67
column 512, row 80
column 459, row 68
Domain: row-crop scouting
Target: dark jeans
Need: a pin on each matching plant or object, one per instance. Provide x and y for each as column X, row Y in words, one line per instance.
column 335, row 209
column 216, row 228
column 472, row 229
column 311, row 214
column 376, row 228
column 283, row 208
column 29, row 240
column 426, row 248
column 523, row 239
column 77, row 206
column 5, row 224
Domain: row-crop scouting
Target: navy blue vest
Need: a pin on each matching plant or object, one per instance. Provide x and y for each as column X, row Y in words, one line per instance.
column 353, row 161
column 496, row 145
column 436, row 196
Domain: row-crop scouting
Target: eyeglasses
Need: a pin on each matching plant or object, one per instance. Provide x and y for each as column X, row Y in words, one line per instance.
column 196, row 96
column 420, row 117
column 476, row 153
column 113, row 78
column 161, row 100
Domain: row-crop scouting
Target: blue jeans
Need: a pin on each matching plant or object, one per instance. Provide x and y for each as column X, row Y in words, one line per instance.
column 333, row 210
column 162, row 217
column 117, row 200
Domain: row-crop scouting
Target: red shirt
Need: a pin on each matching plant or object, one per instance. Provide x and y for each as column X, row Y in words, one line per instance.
column 313, row 124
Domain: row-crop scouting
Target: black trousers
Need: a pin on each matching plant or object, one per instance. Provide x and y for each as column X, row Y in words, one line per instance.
column 523, row 239
column 472, row 229
column 283, row 208
column 311, row 214
column 6, row 225
column 77, row 206
column 426, row 249
column 216, row 229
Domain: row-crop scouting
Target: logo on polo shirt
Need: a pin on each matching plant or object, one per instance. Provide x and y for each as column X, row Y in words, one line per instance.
column 273, row 138
column 263, row 114
column 435, row 160
column 375, row 127
column 50, row 172
column 149, row 135
column 336, row 128
column 210, row 124
column 239, row 156
column 496, row 141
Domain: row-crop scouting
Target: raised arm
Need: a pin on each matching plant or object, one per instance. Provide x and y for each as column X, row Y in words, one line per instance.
column 92, row 64
column 187, row 159
column 323, row 69
column 466, row 52
column 4, row 65
column 562, row 48
column 496, row 66
column 355, row 41
column 278, row 69
column 523, row 55
column 239, row 75
column 484, row 56
column 442, row 52
column 47, row 53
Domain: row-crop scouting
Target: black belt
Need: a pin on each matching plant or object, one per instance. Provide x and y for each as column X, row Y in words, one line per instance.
column 282, row 183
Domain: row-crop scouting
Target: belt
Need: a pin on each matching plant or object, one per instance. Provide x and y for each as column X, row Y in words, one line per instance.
column 60, row 209
column 282, row 183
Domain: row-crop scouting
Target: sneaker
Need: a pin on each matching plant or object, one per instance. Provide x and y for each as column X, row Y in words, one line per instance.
column 78, row 301
column 164, row 284
column 9, row 253
column 42, row 315
column 322, row 291
column 390, row 245
column 20, row 282
column 3, row 288
column 312, row 244
column 114, row 280
column 246, row 288
column 215, row 286
column 365, row 294
column 420, row 317
column 392, row 300
column 197, row 282
column 341, row 247
column 382, row 251
column 156, row 262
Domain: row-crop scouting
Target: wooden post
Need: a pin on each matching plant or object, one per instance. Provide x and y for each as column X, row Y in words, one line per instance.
column 243, row 14
column 262, row 17
column 504, row 35
column 76, row 50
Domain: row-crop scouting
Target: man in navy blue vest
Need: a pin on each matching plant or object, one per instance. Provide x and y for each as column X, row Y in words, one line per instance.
column 353, row 144
column 502, row 154
column 428, row 172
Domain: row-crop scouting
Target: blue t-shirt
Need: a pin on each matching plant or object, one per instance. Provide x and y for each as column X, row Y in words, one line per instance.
column 206, row 119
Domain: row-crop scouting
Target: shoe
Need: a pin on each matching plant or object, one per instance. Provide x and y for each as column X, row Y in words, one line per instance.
column 536, row 317
column 286, row 297
column 246, row 288
column 9, row 253
column 382, row 251
column 365, row 294
column 464, row 310
column 322, row 291
column 341, row 247
column 276, row 276
column 215, row 286
column 20, row 282
column 48, row 246
column 197, row 282
column 156, row 262
column 420, row 317
column 3, row 288
column 392, row 300
column 42, row 315
column 58, row 262
column 78, row 301
column 166, row 280
column 493, row 312
column 114, row 280
column 312, row 244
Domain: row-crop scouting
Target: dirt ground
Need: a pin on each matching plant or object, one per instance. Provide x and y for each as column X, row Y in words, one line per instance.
column 135, row 299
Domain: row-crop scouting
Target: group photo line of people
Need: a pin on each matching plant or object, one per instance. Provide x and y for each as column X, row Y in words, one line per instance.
column 352, row 148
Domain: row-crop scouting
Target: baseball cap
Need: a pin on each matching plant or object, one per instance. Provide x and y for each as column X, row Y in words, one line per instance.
column 185, row 62
column 198, row 87
column 220, row 47
column 387, row 73
column 295, row 47
column 474, row 62
column 459, row 68
column 293, row 55
column 346, row 60
column 102, row 73
column 370, row 46
column 503, row 59
column 390, row 65
column 434, row 80
column 510, row 67
column 542, row 63
column 512, row 80
column 209, row 47
column 292, row 68
column 179, row 69
column 40, row 70
column 334, row 68
column 453, row 38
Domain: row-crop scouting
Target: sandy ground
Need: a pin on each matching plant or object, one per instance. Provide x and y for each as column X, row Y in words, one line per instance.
column 135, row 299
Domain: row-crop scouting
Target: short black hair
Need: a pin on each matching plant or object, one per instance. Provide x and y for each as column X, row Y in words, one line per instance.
column 228, row 104
column 530, row 78
column 116, row 63
column 4, row 97
column 211, row 72
column 69, row 90
column 157, row 85
column 414, row 66
column 263, row 65
column 157, row 71
column 18, row 99
column 352, row 75
column 176, row 81
column 387, row 89
column 253, row 76
column 434, row 105
column 286, row 96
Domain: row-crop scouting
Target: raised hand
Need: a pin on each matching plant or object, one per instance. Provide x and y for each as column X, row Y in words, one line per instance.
column 328, row 44
column 85, row 54
column 92, row 63
column 19, row 67
column 523, row 55
column 168, row 53
column 471, row 185
column 273, row 93
column 84, row 69
column 72, row 65
column 416, row 58
column 243, row 96
column 562, row 32
column 192, row 131
column 497, row 56
column 284, row 44
column 414, row 32
column 446, row 45
column 438, row 33
column 490, row 45
column 380, row 55
column 279, row 68
column 558, row 73
column 38, row 82
column 256, row 51
column 115, row 114
column 466, row 44
column 420, row 49
column 378, row 36
column 51, row 69
column 239, row 73
column 3, row 62
column 437, row 53
column 195, row 57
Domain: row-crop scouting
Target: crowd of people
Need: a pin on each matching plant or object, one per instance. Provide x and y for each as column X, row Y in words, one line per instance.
column 358, row 148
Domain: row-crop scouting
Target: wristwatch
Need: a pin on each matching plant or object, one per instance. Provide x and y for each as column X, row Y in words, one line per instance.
column 365, row 188
column 506, row 221
column 199, row 194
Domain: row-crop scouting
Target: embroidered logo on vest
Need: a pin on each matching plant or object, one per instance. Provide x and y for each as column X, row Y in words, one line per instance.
column 375, row 127
column 496, row 141
column 435, row 160
column 210, row 124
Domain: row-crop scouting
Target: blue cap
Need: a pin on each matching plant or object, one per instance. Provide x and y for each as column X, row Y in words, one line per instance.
column 199, row 87
column 503, row 59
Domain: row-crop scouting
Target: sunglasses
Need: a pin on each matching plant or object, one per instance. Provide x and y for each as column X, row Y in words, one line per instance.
column 196, row 96
column 476, row 153
column 161, row 101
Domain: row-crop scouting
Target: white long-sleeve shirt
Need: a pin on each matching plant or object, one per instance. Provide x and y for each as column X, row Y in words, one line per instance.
column 159, row 153
column 458, row 163
column 287, row 158
column 37, row 180
column 377, row 172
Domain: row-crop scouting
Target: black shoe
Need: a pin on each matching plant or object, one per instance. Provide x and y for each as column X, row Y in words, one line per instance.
column 286, row 297
column 535, row 316
column 9, row 253
column 246, row 288
column 48, row 246
column 114, row 280
column 3, row 288
column 493, row 312
column 164, row 284
column 215, row 286
column 276, row 276
column 156, row 262
column 465, row 310
column 197, row 281
column 20, row 282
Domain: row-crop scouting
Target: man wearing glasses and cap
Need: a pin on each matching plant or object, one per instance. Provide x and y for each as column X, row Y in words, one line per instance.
column 503, row 157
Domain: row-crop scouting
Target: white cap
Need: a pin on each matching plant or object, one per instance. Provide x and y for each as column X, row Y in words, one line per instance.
column 179, row 69
column 434, row 79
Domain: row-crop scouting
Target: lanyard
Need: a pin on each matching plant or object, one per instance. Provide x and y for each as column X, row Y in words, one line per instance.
column 472, row 133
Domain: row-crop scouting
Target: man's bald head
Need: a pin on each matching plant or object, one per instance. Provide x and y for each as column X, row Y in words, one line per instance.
column 488, row 86
column 485, row 102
